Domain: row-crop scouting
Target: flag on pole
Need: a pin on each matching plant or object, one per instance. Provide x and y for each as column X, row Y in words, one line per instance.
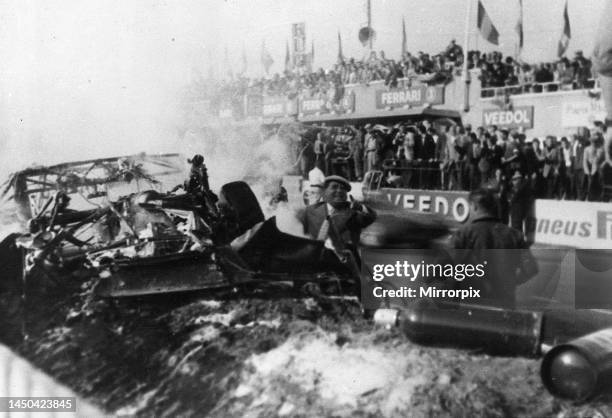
column 566, row 35
column 404, row 48
column 485, row 25
column 266, row 58
column 312, row 53
column 340, row 56
column 519, row 27
column 287, row 57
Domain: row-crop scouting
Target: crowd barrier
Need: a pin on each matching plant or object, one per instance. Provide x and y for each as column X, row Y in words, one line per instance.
column 490, row 92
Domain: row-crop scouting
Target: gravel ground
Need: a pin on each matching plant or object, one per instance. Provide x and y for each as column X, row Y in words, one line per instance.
column 269, row 353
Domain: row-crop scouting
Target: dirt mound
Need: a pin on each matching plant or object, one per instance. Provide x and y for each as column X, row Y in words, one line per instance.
column 271, row 354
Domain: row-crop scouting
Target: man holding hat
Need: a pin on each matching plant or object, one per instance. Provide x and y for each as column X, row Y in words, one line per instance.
column 347, row 217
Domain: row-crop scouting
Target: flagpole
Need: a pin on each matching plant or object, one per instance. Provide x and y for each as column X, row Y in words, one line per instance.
column 466, row 43
column 370, row 25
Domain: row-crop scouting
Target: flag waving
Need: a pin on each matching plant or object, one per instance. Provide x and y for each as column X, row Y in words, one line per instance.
column 340, row 56
column 266, row 58
column 404, row 48
column 566, row 35
column 485, row 25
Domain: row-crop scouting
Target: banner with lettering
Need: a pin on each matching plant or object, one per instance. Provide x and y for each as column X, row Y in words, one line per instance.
column 519, row 116
column 582, row 111
column 278, row 107
column 410, row 96
column 323, row 106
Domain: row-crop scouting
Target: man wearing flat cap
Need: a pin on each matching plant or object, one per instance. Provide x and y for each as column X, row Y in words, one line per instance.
column 348, row 217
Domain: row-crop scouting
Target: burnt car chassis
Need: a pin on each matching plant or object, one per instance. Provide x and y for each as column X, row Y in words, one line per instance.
column 147, row 243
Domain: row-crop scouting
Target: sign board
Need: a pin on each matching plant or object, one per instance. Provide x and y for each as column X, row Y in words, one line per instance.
column 451, row 205
column 321, row 106
column 586, row 225
column 582, row 111
column 254, row 105
column 518, row 117
column 278, row 107
column 298, row 37
column 411, row 96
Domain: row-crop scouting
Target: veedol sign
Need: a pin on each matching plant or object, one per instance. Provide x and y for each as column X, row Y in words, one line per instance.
column 520, row 116
column 452, row 205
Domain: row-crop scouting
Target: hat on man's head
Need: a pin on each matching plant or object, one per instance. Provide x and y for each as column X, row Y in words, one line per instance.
column 338, row 179
column 517, row 175
column 368, row 126
column 196, row 160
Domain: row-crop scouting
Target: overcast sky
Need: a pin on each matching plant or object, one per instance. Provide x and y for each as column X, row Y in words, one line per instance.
column 83, row 78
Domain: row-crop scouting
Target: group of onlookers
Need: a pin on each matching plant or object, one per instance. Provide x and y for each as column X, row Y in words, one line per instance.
column 452, row 157
column 519, row 77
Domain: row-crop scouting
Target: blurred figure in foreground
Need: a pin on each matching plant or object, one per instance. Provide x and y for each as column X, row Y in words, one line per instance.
column 505, row 269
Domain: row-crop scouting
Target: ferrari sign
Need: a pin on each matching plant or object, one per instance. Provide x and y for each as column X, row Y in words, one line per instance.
column 411, row 96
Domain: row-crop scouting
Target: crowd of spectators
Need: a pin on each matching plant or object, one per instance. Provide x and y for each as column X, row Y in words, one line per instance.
column 329, row 84
column 519, row 77
column 496, row 71
column 450, row 157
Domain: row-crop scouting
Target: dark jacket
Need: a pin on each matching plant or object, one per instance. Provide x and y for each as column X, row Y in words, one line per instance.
column 502, row 267
column 348, row 222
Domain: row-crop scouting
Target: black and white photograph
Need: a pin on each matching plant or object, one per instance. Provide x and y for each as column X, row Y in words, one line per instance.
column 283, row 208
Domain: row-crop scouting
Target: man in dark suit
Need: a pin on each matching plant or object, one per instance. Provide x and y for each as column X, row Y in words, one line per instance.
column 348, row 218
column 509, row 266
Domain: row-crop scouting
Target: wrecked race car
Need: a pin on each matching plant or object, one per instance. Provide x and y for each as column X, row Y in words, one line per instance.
column 152, row 242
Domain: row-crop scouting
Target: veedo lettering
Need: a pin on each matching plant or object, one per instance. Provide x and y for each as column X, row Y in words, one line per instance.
column 456, row 207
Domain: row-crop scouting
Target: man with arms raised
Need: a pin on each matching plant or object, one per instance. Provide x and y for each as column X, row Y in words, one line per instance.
column 335, row 210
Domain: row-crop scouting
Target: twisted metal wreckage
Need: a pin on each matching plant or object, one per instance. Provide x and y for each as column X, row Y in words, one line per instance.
column 145, row 242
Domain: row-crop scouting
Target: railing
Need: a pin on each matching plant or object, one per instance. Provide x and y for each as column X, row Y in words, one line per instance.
column 419, row 174
column 492, row 92
column 465, row 176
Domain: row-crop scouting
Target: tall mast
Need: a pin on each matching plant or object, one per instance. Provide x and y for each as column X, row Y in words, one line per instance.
column 370, row 25
column 466, row 44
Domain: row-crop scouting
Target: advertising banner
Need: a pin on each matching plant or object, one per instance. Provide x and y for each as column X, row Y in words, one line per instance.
column 518, row 117
column 582, row 111
column 278, row 107
column 586, row 225
column 254, row 105
column 322, row 106
column 451, row 205
column 412, row 96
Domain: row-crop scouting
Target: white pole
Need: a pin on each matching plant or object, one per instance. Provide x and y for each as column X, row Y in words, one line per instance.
column 466, row 73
